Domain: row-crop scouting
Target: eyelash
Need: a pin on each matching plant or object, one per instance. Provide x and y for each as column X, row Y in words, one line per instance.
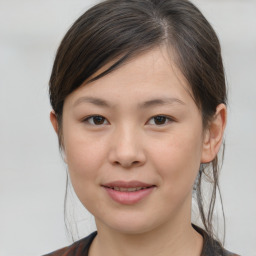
column 86, row 120
column 167, row 118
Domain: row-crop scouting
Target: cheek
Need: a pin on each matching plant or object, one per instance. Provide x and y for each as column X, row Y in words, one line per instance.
column 84, row 157
column 177, row 160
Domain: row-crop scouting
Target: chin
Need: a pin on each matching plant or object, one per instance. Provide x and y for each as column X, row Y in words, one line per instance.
column 130, row 224
column 132, row 229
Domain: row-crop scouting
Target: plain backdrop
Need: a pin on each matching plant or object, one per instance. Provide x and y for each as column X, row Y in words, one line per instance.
column 32, row 175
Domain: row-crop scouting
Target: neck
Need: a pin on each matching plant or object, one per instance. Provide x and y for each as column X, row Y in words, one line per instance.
column 174, row 238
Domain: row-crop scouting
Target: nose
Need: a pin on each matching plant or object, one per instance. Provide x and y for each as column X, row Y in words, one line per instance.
column 127, row 148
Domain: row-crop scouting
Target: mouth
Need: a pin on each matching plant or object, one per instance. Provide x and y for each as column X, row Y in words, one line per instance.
column 128, row 193
column 130, row 189
column 128, row 186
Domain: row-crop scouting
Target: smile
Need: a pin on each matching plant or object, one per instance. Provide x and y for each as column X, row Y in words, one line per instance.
column 128, row 193
column 128, row 189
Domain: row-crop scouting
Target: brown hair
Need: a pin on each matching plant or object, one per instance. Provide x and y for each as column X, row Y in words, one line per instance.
column 121, row 29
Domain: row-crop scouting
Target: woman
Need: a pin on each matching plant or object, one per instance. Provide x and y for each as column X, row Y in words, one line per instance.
column 139, row 106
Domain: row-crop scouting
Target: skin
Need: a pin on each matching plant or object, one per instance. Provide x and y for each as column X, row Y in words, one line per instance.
column 128, row 144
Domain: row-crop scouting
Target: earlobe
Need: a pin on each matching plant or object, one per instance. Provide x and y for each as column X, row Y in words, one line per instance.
column 54, row 122
column 214, row 134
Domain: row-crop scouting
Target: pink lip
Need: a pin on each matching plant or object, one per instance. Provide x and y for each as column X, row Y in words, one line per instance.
column 127, row 184
column 128, row 197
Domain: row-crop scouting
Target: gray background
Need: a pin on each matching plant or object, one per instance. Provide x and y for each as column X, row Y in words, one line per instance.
column 32, row 175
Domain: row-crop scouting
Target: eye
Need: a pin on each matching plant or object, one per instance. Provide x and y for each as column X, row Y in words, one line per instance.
column 159, row 120
column 96, row 120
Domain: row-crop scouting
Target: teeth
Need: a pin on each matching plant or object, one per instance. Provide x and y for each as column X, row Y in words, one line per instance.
column 127, row 189
column 132, row 189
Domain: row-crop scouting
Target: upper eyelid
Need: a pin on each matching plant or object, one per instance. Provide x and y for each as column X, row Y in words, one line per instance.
column 91, row 116
column 162, row 115
column 166, row 116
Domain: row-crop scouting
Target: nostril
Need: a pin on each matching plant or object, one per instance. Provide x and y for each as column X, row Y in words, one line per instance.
column 127, row 164
column 126, row 158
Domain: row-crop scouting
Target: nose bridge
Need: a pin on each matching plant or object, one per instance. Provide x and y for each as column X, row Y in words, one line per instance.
column 127, row 146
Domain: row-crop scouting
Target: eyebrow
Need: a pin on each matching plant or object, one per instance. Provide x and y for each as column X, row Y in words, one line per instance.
column 150, row 103
column 160, row 101
column 93, row 100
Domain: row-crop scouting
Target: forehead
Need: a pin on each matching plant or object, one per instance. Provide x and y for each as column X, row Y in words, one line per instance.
column 150, row 74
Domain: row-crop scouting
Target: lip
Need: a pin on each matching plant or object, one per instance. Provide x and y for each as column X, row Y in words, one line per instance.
column 128, row 197
column 127, row 184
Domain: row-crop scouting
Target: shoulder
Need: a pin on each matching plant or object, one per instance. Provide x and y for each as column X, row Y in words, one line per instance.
column 212, row 247
column 228, row 253
column 78, row 248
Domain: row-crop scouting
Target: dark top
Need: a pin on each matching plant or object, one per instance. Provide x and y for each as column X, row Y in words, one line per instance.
column 81, row 247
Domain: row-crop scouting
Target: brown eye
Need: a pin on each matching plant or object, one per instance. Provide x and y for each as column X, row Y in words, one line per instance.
column 159, row 120
column 96, row 120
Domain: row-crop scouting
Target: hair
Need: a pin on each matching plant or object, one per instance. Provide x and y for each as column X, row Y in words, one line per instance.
column 117, row 31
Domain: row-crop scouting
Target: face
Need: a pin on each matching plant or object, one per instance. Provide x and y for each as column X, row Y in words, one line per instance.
column 133, row 145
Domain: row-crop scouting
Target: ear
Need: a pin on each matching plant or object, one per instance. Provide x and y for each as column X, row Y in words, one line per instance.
column 213, row 134
column 54, row 122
